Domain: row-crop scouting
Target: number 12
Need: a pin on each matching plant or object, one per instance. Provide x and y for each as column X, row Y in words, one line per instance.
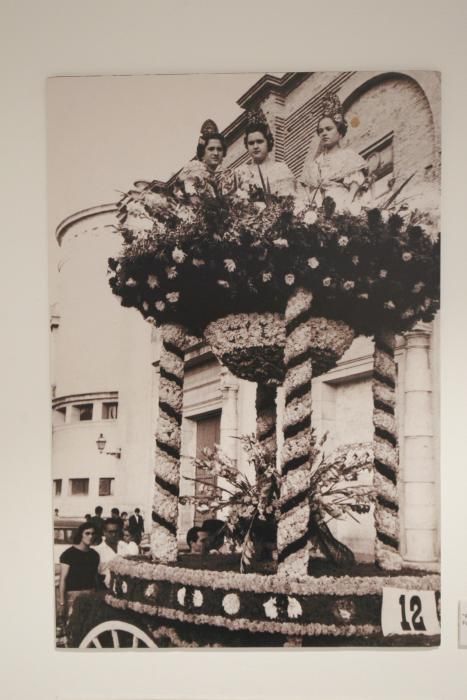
column 415, row 607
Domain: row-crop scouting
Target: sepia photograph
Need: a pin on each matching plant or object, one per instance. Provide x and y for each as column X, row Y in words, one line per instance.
column 244, row 288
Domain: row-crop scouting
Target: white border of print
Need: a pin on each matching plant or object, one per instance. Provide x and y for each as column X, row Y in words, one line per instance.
column 53, row 37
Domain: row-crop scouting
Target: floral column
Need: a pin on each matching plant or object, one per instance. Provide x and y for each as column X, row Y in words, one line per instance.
column 386, row 457
column 292, row 533
column 168, row 444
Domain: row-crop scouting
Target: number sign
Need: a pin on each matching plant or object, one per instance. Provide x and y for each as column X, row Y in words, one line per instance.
column 409, row 612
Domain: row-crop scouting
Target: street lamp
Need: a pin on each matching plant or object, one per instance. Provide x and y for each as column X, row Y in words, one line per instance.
column 101, row 443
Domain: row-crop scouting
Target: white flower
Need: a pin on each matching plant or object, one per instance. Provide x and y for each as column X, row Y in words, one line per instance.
column 131, row 282
column 406, row 256
column 267, row 276
column 223, row 283
column 348, row 284
column 231, row 603
column 178, row 255
column 313, row 263
column 418, row 287
column 150, row 590
column 124, row 587
column 145, row 306
column 363, row 295
column 289, row 279
column 327, row 282
column 310, row 217
column 197, row 262
column 408, row 314
column 153, row 281
column 197, row 599
column 355, row 260
column 136, row 209
column 153, row 199
column 171, row 273
column 138, row 224
column 383, row 274
column 270, row 608
column 185, row 213
column 173, row 297
column 260, row 206
column 389, row 305
column 160, row 305
column 230, row 265
column 343, row 241
column 294, row 609
column 281, row 243
column 241, row 194
column 181, row 593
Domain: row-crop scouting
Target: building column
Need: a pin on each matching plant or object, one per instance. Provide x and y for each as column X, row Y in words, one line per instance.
column 419, row 472
column 229, row 415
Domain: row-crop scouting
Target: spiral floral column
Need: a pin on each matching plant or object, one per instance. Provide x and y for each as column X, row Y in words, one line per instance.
column 266, row 417
column 386, row 458
column 168, row 443
column 292, row 535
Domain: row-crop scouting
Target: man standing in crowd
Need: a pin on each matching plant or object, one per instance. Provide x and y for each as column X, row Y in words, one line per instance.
column 97, row 522
column 136, row 526
column 107, row 549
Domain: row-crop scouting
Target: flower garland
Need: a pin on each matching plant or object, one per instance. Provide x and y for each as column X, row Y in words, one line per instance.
column 253, row 626
column 196, row 261
column 274, row 584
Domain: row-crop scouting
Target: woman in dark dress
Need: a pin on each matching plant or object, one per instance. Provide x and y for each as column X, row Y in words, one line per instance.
column 78, row 569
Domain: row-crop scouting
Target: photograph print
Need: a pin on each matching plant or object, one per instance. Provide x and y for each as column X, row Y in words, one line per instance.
column 244, row 317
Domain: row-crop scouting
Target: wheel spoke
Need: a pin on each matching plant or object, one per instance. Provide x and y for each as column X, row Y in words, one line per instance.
column 97, row 643
column 135, row 641
column 115, row 640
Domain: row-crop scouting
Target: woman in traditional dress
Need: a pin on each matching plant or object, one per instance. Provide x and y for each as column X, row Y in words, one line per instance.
column 335, row 172
column 203, row 172
column 261, row 174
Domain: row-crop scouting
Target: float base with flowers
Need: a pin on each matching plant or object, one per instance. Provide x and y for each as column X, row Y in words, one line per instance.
column 279, row 290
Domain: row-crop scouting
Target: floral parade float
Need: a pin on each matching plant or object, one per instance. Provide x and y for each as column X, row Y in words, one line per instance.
column 278, row 289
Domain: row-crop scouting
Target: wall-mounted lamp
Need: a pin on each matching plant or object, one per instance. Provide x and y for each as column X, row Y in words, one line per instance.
column 101, row 443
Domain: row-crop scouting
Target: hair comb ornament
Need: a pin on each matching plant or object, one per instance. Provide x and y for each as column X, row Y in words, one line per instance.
column 331, row 107
column 256, row 118
column 208, row 128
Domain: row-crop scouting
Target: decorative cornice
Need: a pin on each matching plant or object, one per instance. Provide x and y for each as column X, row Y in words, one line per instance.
column 82, row 215
column 82, row 398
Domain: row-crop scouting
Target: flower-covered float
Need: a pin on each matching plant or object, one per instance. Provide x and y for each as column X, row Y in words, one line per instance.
column 278, row 289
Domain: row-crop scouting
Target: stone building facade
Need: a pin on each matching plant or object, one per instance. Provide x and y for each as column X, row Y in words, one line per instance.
column 394, row 123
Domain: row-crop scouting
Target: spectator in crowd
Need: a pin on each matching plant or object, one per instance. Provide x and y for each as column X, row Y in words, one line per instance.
column 215, row 530
column 97, row 522
column 107, row 549
column 56, row 513
column 87, row 517
column 115, row 514
column 126, row 521
column 78, row 569
column 127, row 545
column 197, row 540
column 136, row 525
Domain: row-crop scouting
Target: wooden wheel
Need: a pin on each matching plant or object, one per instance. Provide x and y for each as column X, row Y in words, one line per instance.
column 117, row 635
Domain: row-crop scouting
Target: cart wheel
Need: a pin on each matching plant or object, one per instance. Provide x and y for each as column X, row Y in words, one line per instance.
column 118, row 635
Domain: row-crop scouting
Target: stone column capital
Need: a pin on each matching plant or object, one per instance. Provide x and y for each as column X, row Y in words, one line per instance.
column 419, row 336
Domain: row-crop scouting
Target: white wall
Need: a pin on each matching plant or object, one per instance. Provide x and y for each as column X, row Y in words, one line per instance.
column 51, row 37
